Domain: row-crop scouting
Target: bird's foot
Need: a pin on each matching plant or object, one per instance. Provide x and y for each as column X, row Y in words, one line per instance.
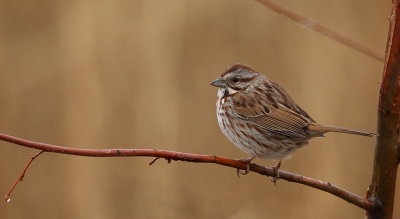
column 276, row 171
column 247, row 161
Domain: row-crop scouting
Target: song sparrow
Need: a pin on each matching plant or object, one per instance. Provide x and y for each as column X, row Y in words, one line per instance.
column 260, row 118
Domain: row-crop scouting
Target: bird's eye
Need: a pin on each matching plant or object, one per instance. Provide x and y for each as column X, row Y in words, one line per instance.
column 235, row 80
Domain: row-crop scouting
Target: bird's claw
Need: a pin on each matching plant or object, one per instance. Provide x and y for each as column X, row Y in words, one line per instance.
column 247, row 161
column 276, row 171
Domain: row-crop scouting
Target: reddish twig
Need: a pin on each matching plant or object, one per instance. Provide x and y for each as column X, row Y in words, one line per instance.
column 324, row 30
column 197, row 158
column 21, row 177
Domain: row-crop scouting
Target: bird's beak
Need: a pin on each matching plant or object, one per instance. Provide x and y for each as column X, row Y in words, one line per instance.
column 219, row 82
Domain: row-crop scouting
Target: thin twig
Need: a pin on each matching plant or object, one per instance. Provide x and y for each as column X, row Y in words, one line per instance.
column 21, row 177
column 153, row 161
column 197, row 158
column 324, row 30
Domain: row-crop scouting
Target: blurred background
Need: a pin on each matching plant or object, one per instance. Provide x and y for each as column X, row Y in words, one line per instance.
column 135, row 74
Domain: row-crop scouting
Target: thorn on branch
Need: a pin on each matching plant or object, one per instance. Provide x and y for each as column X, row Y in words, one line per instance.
column 153, row 161
column 21, row 177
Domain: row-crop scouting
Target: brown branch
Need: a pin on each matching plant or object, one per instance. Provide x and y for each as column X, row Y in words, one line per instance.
column 21, row 177
column 319, row 28
column 387, row 152
column 197, row 158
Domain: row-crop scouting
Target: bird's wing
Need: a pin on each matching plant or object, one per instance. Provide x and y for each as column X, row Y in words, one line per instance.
column 285, row 100
column 276, row 119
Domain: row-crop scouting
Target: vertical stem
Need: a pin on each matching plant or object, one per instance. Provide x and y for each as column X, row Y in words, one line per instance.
column 387, row 152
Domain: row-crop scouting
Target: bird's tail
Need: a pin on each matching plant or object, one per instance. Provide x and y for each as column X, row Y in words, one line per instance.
column 327, row 128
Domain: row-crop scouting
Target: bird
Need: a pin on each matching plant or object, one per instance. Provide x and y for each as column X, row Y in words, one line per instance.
column 259, row 117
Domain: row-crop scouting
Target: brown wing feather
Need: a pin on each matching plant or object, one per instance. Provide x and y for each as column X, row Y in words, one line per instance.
column 279, row 120
column 288, row 102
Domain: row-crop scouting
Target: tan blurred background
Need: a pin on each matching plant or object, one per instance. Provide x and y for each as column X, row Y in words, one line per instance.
column 135, row 74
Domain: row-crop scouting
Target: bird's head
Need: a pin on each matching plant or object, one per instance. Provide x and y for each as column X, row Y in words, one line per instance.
column 236, row 78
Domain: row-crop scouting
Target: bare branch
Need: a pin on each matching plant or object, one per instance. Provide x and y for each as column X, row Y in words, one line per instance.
column 382, row 188
column 197, row 158
column 21, row 177
column 319, row 28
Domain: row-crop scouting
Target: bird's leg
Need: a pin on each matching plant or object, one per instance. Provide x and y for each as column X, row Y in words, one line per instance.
column 276, row 171
column 247, row 161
